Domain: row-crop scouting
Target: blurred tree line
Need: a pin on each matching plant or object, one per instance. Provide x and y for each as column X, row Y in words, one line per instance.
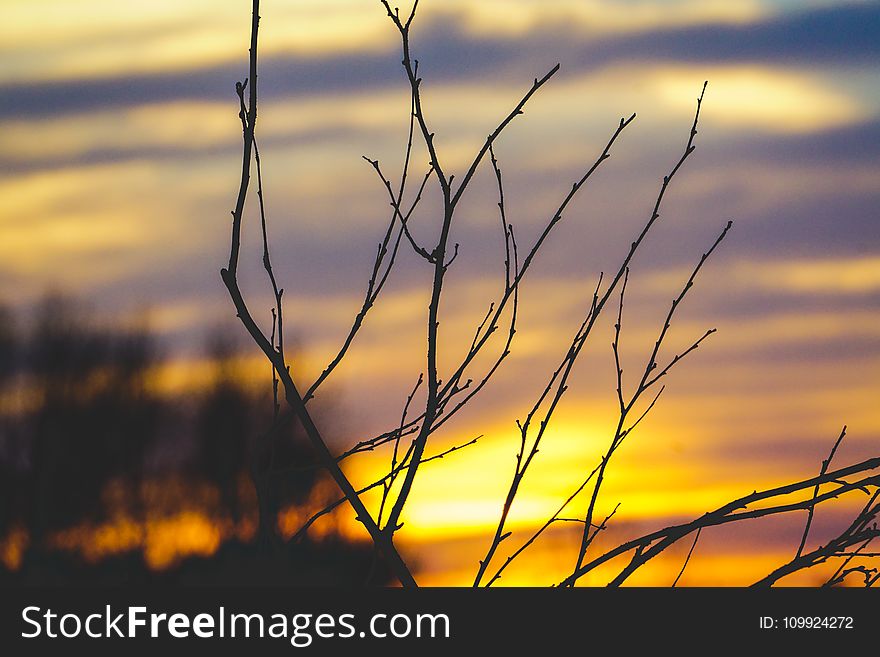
column 86, row 437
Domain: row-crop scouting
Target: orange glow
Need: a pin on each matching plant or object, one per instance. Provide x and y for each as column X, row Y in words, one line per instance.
column 12, row 547
column 164, row 540
column 454, row 563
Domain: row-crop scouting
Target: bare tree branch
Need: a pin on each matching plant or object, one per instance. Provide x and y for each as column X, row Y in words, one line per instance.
column 292, row 396
column 377, row 277
column 434, row 401
column 380, row 482
column 447, row 393
column 650, row 545
column 825, row 464
column 687, row 559
column 862, row 531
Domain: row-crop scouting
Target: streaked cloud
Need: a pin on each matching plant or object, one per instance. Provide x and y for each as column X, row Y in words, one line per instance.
column 763, row 98
column 600, row 16
column 449, row 51
column 851, row 276
column 51, row 39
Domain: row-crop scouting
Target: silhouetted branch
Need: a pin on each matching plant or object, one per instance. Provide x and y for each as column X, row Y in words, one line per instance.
column 650, row 545
column 841, row 573
column 388, row 483
column 377, row 277
column 435, row 397
column 825, row 464
column 278, row 316
column 447, row 393
column 517, row 111
column 534, row 537
column 292, row 396
column 510, row 249
column 411, row 68
column 398, row 213
column 404, row 465
column 643, row 385
column 530, row 256
column 557, row 384
column 862, row 531
column 687, row 559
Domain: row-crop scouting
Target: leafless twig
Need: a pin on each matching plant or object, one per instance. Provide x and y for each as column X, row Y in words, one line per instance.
column 291, row 393
column 825, row 465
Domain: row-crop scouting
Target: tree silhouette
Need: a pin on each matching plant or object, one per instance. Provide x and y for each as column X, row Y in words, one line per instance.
column 228, row 418
column 224, row 419
column 93, row 445
column 94, row 420
column 446, row 393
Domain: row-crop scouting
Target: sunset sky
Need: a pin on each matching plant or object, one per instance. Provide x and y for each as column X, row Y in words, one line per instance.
column 119, row 164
